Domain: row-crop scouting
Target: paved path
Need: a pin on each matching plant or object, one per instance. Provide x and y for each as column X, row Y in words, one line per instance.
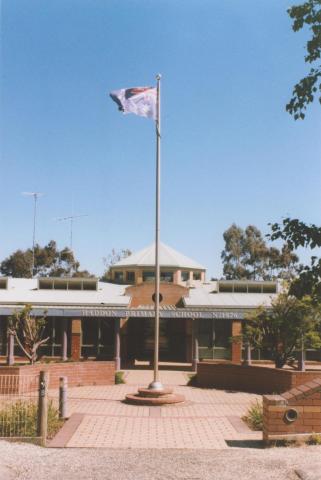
column 209, row 417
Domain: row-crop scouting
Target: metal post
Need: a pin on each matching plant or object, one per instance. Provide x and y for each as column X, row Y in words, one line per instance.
column 63, row 384
column 156, row 384
column 64, row 341
column 248, row 359
column 301, row 361
column 10, row 353
column 117, row 344
column 43, row 407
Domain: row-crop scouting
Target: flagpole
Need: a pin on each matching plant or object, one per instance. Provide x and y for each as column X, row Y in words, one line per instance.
column 156, row 384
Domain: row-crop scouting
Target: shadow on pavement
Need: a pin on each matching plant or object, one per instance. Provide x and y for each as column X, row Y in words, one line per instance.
column 245, row 443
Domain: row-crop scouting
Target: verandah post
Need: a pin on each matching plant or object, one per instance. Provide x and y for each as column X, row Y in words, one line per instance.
column 117, row 344
column 10, row 351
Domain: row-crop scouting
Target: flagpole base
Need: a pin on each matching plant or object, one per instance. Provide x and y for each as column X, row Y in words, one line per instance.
column 156, row 386
column 154, row 397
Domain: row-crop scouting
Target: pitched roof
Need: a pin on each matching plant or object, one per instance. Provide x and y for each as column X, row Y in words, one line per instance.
column 201, row 296
column 25, row 290
column 168, row 257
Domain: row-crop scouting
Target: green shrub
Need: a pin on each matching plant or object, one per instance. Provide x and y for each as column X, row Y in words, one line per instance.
column 315, row 439
column 254, row 416
column 285, row 442
column 119, row 377
column 19, row 419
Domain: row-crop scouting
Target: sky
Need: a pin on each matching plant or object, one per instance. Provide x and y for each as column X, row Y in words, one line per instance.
column 230, row 152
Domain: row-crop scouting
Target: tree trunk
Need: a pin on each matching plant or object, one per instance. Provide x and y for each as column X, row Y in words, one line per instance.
column 280, row 361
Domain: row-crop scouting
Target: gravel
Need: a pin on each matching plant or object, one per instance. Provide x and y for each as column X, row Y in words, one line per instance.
column 25, row 461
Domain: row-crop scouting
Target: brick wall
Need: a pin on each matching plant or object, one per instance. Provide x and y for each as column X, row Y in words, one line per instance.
column 142, row 294
column 78, row 373
column 251, row 378
column 294, row 414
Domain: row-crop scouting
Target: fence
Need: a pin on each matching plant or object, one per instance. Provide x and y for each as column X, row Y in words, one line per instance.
column 24, row 407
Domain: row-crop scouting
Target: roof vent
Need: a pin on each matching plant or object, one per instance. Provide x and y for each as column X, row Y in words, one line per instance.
column 3, row 283
column 61, row 283
column 247, row 286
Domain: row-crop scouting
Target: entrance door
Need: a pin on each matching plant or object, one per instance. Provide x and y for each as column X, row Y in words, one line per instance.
column 214, row 339
column 172, row 342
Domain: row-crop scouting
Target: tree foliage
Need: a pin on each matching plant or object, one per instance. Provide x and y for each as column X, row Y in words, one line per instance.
column 298, row 234
column 28, row 331
column 247, row 256
column 112, row 258
column 307, row 15
column 290, row 324
column 49, row 262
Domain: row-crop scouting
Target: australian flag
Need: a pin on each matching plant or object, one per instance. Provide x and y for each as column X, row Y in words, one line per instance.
column 138, row 100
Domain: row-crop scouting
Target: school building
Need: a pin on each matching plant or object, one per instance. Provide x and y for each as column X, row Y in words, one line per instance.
column 87, row 318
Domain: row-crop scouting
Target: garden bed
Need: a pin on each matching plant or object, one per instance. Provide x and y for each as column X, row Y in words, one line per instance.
column 254, row 379
column 84, row 373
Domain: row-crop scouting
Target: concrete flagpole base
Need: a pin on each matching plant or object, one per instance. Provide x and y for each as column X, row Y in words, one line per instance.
column 154, row 397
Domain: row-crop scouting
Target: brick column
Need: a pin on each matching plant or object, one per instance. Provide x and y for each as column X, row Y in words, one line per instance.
column 10, row 350
column 236, row 345
column 117, row 344
column 195, row 345
column 64, row 340
column 75, row 339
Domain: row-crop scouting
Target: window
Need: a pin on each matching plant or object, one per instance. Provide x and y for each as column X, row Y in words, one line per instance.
column 214, row 333
column 166, row 276
column 269, row 288
column 240, row 288
column 185, row 276
column 196, row 275
column 119, row 277
column 255, row 288
column 130, row 277
column 148, row 276
column 61, row 285
column 67, row 283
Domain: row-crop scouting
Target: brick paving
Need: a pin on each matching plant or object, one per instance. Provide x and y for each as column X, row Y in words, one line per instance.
column 100, row 419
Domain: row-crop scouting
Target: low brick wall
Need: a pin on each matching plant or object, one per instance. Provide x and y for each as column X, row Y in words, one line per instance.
column 294, row 415
column 78, row 373
column 252, row 378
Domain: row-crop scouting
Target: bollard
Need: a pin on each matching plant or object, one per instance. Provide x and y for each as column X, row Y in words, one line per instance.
column 248, row 359
column 63, row 383
column 43, row 407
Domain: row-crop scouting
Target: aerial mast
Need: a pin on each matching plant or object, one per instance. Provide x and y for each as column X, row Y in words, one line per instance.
column 35, row 196
column 71, row 219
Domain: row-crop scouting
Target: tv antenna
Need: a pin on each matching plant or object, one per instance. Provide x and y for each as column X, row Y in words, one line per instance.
column 71, row 219
column 35, row 196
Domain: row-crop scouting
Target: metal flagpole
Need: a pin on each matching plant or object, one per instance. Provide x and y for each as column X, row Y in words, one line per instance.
column 156, row 384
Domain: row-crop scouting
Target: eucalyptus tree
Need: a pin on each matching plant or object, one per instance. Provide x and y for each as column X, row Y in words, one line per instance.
column 296, row 233
column 290, row 324
column 49, row 261
column 307, row 16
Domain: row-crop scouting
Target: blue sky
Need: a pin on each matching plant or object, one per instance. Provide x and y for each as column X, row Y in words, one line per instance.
column 230, row 152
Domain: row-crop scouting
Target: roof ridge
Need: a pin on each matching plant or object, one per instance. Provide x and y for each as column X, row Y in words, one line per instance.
column 168, row 257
